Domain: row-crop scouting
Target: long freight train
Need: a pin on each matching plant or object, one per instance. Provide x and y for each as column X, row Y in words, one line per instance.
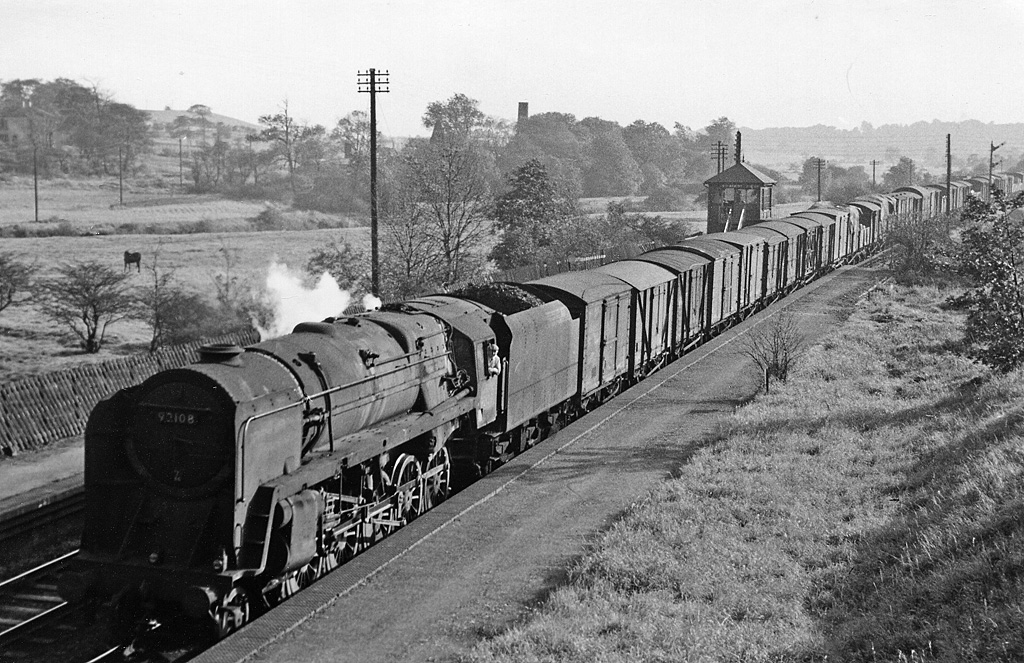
column 218, row 490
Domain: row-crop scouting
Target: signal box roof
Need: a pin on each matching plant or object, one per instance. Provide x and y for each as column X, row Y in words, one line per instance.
column 740, row 174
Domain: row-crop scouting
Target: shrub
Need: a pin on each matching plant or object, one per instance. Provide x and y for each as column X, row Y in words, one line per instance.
column 665, row 199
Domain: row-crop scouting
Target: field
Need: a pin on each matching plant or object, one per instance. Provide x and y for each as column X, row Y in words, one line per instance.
column 868, row 510
column 93, row 206
column 30, row 343
column 189, row 234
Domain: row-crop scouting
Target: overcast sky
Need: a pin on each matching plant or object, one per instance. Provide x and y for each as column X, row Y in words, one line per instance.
column 761, row 63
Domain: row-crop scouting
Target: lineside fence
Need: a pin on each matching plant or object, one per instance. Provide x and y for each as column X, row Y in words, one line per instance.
column 43, row 409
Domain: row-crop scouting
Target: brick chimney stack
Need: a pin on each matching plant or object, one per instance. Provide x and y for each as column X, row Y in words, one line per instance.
column 524, row 110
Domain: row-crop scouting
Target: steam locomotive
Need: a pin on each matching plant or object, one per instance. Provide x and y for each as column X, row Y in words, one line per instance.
column 217, row 490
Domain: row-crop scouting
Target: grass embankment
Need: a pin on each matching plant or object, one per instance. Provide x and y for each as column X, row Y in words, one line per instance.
column 869, row 510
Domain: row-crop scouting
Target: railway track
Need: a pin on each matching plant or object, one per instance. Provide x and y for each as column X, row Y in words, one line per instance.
column 36, row 514
column 37, row 625
column 29, row 599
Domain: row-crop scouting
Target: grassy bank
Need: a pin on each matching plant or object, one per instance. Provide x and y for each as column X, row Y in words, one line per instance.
column 869, row 510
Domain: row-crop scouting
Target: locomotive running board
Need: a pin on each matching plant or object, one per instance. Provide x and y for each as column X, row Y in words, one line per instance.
column 351, row 450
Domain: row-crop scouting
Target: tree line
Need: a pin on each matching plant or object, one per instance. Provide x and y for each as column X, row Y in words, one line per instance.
column 71, row 129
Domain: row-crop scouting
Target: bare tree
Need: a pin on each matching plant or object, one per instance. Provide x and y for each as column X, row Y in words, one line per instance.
column 173, row 314
column 775, row 347
column 87, row 298
column 15, row 281
column 412, row 261
column 451, row 178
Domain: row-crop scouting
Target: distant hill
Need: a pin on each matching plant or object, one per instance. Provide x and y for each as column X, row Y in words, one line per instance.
column 168, row 115
column 925, row 142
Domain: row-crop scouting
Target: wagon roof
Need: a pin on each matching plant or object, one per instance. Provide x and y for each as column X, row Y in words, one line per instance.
column 771, row 234
column 914, row 189
column 823, row 219
column 641, row 275
column 830, row 209
column 737, row 238
column 803, row 222
column 876, row 197
column 587, row 286
column 711, row 248
column 869, row 204
column 674, row 259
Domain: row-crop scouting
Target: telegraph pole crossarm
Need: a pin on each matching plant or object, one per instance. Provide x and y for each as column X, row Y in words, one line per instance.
column 372, row 82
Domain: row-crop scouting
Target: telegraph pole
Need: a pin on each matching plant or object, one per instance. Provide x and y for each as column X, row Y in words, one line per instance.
column 991, row 165
column 181, row 170
column 873, row 164
column 949, row 172
column 719, row 152
column 368, row 82
column 35, row 178
column 120, row 175
column 821, row 164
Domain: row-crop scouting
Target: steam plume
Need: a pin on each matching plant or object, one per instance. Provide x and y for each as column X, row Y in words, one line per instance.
column 292, row 303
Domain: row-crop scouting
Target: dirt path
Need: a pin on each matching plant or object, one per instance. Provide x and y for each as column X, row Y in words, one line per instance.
column 477, row 563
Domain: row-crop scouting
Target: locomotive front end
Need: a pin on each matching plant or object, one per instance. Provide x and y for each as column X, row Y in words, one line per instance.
column 160, row 483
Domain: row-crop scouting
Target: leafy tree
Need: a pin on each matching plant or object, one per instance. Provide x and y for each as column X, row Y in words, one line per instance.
column 202, row 120
column 87, row 298
column 609, row 168
column 992, row 257
column 526, row 215
column 656, row 152
column 664, row 199
column 352, row 133
column 900, row 174
column 454, row 118
column 289, row 140
column 550, row 139
column 636, row 229
column 86, row 119
column 348, row 266
column 15, row 281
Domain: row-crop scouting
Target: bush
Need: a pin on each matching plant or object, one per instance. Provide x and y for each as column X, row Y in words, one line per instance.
column 270, row 218
column 665, row 199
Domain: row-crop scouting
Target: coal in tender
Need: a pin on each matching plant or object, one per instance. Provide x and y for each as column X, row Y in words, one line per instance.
column 505, row 298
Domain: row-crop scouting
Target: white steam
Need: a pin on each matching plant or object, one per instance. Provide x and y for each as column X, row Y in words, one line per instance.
column 292, row 303
column 371, row 303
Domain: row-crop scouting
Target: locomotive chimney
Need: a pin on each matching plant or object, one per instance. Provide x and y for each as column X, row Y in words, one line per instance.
column 220, row 353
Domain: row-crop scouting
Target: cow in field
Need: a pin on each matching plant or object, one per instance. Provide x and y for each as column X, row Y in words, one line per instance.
column 131, row 258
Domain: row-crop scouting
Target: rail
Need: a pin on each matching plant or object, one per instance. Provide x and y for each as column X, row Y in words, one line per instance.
column 30, row 598
column 34, row 514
